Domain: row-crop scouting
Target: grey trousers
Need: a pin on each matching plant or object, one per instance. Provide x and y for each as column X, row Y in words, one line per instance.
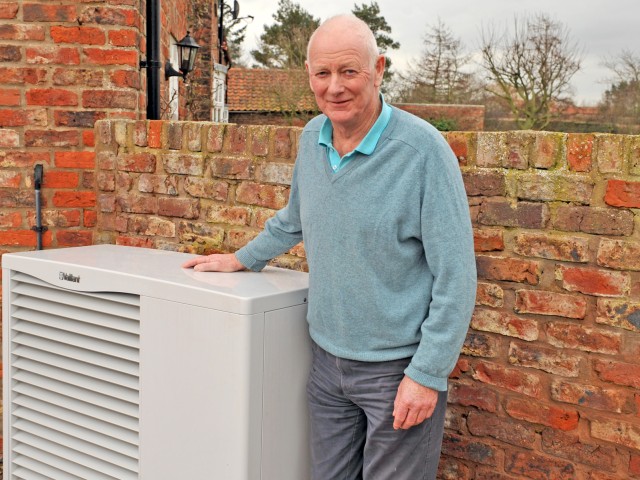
column 352, row 435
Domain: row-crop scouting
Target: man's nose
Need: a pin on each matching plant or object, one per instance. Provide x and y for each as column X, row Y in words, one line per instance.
column 335, row 84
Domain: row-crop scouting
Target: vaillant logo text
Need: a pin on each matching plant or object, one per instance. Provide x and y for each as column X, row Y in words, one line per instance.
column 69, row 277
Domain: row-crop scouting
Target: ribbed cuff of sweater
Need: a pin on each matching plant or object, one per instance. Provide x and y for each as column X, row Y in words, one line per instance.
column 435, row 383
column 249, row 261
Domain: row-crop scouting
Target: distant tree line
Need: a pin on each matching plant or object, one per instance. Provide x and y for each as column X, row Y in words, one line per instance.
column 524, row 70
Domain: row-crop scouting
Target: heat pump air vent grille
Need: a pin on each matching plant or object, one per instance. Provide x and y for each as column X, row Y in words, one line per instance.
column 75, row 382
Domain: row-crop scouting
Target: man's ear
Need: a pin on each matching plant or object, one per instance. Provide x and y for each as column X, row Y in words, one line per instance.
column 381, row 61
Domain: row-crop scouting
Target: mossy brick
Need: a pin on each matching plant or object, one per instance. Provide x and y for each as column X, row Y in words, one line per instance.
column 621, row 193
column 548, row 150
column 620, row 313
column 513, row 379
column 484, row 183
column 200, row 229
column 551, row 246
column 228, row 215
column 215, row 137
column 541, row 302
column 588, row 395
column 194, row 136
column 609, row 152
column 236, row 139
column 492, row 149
column 259, row 135
column 140, row 133
column 486, row 320
column 550, row 360
column 161, row 184
column 594, row 281
column 237, row 238
column 489, row 294
column 206, row 188
column 519, row 149
column 578, row 337
column 269, row 196
column 564, row 419
column 594, row 220
column 634, row 154
column 278, row 173
column 464, row 146
column 480, row 345
column 152, row 226
column 183, row 164
column 173, row 135
column 554, row 188
column 619, row 254
column 502, row 212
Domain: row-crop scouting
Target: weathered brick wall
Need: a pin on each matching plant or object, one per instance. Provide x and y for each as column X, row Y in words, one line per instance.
column 465, row 117
column 548, row 386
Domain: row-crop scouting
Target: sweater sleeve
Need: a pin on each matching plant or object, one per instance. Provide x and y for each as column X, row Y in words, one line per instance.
column 447, row 238
column 281, row 232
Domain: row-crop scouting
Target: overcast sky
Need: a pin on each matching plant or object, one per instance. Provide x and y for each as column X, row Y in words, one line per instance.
column 602, row 27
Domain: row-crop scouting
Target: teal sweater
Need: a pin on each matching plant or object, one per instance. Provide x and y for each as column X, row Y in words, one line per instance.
column 389, row 245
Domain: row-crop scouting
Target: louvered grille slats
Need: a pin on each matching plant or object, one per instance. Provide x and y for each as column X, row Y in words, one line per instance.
column 74, row 383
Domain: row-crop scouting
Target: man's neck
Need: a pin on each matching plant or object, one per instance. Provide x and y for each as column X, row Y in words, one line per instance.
column 346, row 139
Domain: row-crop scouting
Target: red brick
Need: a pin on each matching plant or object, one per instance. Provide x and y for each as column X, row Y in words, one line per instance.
column 74, row 199
column 620, row 373
column 590, row 396
column 504, row 324
column 51, row 97
column 550, row 360
column 579, row 150
column 451, row 469
column 83, row 35
column 109, row 16
column 236, row 168
column 215, row 137
column 74, row 238
column 621, row 193
column 20, row 32
column 282, row 144
column 179, row 207
column 488, row 239
column 237, row 139
column 634, row 464
column 184, row 164
column 569, row 335
column 9, row 159
column 238, row 238
column 259, row 135
column 480, row 345
column 10, row 53
column 554, row 188
column 138, row 204
column 228, row 215
column 548, row 150
column 164, row 184
column 508, row 269
column 619, row 254
column 53, row 54
column 22, row 75
column 601, row 221
column 100, row 56
column 550, row 303
column 9, row 10
column 474, row 395
column 206, row 188
column 84, row 118
column 10, row 98
column 269, row 196
column 22, row 117
column 58, row 218
column 125, row 78
column 549, row 415
column 35, row 12
column 10, row 219
column 609, row 152
column 51, row 138
column 154, row 137
column 490, row 295
column 482, row 183
column 75, row 159
column 23, row 238
column 465, row 449
column 135, row 241
column 109, row 99
column 536, row 466
column 152, row 226
column 137, row 162
column 88, row 138
column 503, row 429
column 555, row 247
column 617, row 431
column 619, row 313
column 123, row 38
column 90, row 218
column 9, row 179
column 512, row 379
column 84, row 77
column 56, row 179
column 523, row 214
column 591, row 281
column 9, row 138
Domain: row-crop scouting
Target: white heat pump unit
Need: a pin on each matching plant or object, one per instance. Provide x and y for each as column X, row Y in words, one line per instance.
column 119, row 364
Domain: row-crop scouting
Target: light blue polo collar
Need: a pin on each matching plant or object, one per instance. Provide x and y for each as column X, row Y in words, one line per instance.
column 366, row 146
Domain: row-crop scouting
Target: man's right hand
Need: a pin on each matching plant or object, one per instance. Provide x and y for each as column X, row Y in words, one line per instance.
column 226, row 262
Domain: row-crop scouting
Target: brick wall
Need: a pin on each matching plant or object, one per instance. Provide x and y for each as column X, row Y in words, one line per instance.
column 548, row 386
column 465, row 117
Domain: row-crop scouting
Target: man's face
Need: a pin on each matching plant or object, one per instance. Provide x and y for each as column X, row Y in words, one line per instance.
column 343, row 79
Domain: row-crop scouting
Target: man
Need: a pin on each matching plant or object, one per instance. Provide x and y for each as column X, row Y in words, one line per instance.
column 378, row 198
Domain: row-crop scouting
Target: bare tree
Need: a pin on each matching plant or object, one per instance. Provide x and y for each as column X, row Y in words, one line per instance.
column 620, row 103
column 531, row 68
column 438, row 76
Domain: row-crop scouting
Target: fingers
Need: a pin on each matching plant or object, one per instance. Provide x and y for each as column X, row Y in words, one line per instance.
column 214, row 263
column 414, row 403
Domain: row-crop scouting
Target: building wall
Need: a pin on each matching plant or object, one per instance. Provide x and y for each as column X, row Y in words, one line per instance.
column 548, row 385
column 464, row 117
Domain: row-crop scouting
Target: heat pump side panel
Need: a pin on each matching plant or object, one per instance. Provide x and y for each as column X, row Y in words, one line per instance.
column 287, row 360
column 201, row 388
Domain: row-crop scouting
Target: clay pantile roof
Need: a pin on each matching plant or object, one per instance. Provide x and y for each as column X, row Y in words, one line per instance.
column 264, row 90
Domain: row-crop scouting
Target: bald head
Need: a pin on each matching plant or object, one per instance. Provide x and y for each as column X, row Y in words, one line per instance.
column 354, row 26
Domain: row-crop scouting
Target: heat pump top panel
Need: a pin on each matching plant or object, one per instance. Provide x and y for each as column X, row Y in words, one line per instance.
column 157, row 273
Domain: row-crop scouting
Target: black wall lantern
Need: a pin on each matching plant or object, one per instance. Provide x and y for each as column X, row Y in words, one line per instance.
column 187, row 51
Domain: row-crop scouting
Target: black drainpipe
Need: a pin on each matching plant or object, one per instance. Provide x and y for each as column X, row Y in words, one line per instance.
column 153, row 59
column 37, row 184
